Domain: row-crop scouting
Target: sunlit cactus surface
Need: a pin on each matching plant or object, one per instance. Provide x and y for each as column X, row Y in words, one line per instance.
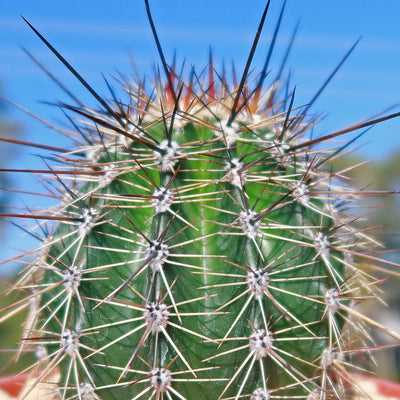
column 200, row 248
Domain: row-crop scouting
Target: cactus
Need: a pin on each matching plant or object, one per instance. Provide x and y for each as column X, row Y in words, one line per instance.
column 201, row 249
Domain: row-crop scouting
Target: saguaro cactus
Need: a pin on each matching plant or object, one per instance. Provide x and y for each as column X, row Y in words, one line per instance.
column 202, row 249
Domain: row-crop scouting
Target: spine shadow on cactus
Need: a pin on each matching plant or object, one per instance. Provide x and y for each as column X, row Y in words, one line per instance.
column 203, row 248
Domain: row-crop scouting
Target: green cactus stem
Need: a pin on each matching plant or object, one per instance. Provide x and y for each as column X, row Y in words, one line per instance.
column 202, row 249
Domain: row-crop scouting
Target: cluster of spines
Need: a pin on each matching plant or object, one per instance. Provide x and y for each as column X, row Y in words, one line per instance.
column 85, row 218
column 133, row 202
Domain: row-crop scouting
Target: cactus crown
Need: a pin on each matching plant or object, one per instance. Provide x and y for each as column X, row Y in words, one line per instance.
column 202, row 249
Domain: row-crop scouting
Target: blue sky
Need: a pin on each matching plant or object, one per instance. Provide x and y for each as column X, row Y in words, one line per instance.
column 97, row 37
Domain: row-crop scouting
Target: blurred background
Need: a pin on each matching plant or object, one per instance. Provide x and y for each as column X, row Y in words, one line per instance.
column 109, row 38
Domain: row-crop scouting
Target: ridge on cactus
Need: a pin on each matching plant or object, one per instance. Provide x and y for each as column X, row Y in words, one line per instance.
column 201, row 247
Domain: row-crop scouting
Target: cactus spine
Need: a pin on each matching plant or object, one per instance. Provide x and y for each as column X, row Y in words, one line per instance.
column 202, row 250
